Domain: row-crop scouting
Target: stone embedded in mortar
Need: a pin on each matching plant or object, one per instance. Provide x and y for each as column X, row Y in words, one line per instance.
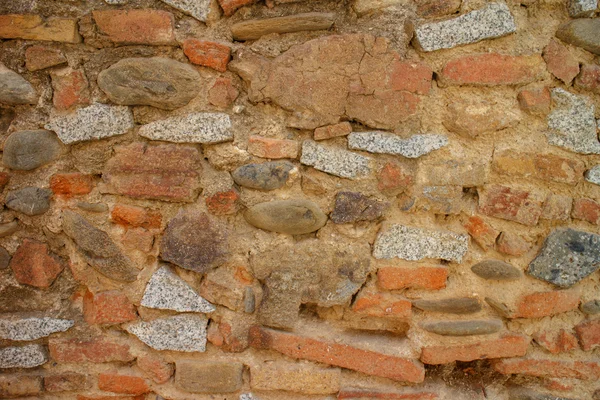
column 8, row 228
column 42, row 57
column 582, row 8
column 294, row 217
column 591, row 307
column 471, row 118
column 412, row 244
column 567, row 257
column 185, row 332
column 190, row 128
column 387, row 143
column 14, row 89
column 167, row 291
column 458, row 305
column 4, row 258
column 496, row 270
column 593, row 175
column 32, row 328
column 266, row 176
column 199, row 9
column 492, row 21
column 353, row 207
column 463, row 328
column 98, row 249
column 256, row 28
column 94, row 122
column 29, row 356
column 27, row 150
column 334, row 161
column 584, row 33
column 194, row 241
column 30, row 200
column 158, row 82
column 572, row 124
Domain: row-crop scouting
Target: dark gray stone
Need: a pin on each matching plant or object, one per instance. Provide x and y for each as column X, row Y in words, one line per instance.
column 14, row 89
column 591, row 307
column 460, row 305
column 567, row 257
column 194, row 241
column 29, row 200
column 463, row 328
column 584, row 33
column 266, row 176
column 98, row 249
column 354, row 207
column 294, row 217
column 27, row 150
column 4, row 258
column 497, row 270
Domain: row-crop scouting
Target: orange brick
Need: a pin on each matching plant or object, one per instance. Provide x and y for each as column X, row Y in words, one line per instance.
column 394, row 178
column 72, row 184
column 155, row 367
column 393, row 278
column 374, row 304
column 410, row 77
column 95, row 350
column 126, row 384
column 483, row 234
column 223, row 203
column 154, row 27
column 67, row 382
column 535, row 101
column 71, row 88
column 331, row 131
column 587, row 210
column 34, row 265
column 33, row 27
column 544, row 304
column 208, row 54
column 110, row 307
column 586, row 370
column 230, row 6
column 272, row 148
column 556, row 342
column 589, row 334
column 560, row 62
column 132, row 216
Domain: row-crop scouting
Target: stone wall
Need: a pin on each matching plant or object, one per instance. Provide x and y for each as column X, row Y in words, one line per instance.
column 326, row 199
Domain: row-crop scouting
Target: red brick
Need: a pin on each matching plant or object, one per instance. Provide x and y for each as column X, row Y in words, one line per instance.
column 369, row 362
column 136, row 217
column 512, row 244
column 19, row 385
column 4, row 178
column 586, row 370
column 535, row 100
column 544, row 304
column 230, row 6
column 208, row 54
column 33, row 27
column 138, row 239
column 332, row 131
column 510, row 204
column 372, row 394
column 72, row 184
column 67, row 382
column 481, row 232
column 126, row 384
column 42, row 57
column 164, row 172
column 554, row 168
column 394, row 178
column 393, row 278
column 509, row 345
column 410, row 77
column 92, row 397
column 556, row 342
column 155, row 367
column 34, row 265
column 589, row 78
column 374, row 304
column 139, row 26
column 223, row 203
column 222, row 93
column 71, row 88
column 110, row 307
column 588, row 333
column 587, row 210
column 95, row 350
column 492, row 69
column 560, row 62
column 272, row 148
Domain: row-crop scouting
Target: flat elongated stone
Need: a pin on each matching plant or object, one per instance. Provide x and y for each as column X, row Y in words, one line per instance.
column 496, row 269
column 354, row 207
column 27, row 150
column 386, row 143
column 185, row 333
column 584, row 33
column 410, row 243
column 29, row 200
column 334, row 161
column 94, row 122
column 294, row 217
column 33, row 27
column 29, row 356
column 460, row 305
column 98, row 249
column 14, row 89
column 266, row 176
column 254, row 29
column 190, row 128
column 199, row 9
column 463, row 328
column 32, row 328
column 492, row 21
column 167, row 291
column 593, row 175
column 567, row 257
column 158, row 82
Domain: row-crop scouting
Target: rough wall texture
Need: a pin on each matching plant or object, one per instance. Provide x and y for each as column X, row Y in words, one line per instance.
column 236, row 199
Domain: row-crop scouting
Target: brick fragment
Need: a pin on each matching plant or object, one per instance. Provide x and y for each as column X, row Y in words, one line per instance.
column 95, row 350
column 272, row 148
column 33, row 27
column 208, row 376
column 585, row 370
column 20, row 385
column 208, row 54
column 589, row 78
column 557, row 207
column 85, row 397
column 543, row 304
column 547, row 167
column 222, row 93
column 230, row 6
column 138, row 239
column 560, row 62
column 587, row 210
column 67, row 382
column 588, row 333
column 482, row 232
column 377, row 304
column 437, row 8
column 71, row 184
column 297, row 378
column 33, row 264
column 110, row 307
column 42, row 57
column 511, row 204
column 372, row 394
column 394, row 178
column 223, row 203
column 332, row 131
column 136, row 217
column 155, row 367
column 126, row 384
column 555, row 342
column 229, row 335
column 136, row 26
column 512, row 244
column 395, row 278
column 71, row 88
column 535, row 101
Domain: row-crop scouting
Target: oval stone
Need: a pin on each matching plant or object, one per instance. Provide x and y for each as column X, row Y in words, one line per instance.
column 460, row 305
column 463, row 328
column 294, row 217
column 27, row 150
column 497, row 270
column 158, row 82
column 266, row 176
column 591, row 307
column 29, row 200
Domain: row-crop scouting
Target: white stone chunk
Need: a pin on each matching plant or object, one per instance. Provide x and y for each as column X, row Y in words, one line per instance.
column 582, row 8
column 387, row 143
column 593, row 175
column 334, row 161
column 198, row 9
column 185, row 332
column 191, row 128
column 29, row 356
column 32, row 328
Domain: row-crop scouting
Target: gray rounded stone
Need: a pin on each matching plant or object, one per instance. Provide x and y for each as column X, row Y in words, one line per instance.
column 496, row 270
column 584, row 33
column 266, row 176
column 294, row 217
column 4, row 258
column 463, row 328
column 30, row 200
column 460, row 305
column 14, row 89
column 591, row 307
column 27, row 150
column 158, row 82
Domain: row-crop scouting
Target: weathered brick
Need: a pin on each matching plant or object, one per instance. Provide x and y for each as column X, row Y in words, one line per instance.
column 589, row 78
column 587, row 210
column 343, row 352
column 410, row 77
column 208, row 54
column 492, row 69
column 511, row 204
column 95, row 350
column 394, row 278
column 380, row 304
column 20, row 385
column 556, row 342
column 208, row 376
column 548, row 167
column 33, row 27
column 473, row 117
column 394, row 178
column 557, row 207
column 363, row 394
column 437, row 8
column 297, row 378
column 560, row 62
column 222, row 94
column 332, row 131
column 41, row 57
column 136, row 217
column 230, row 6
column 110, row 307
column 95, row 397
column 535, row 101
column 33, row 264
column 588, row 333
column 512, row 244
column 138, row 239
column 71, row 88
column 71, row 184
column 155, row 367
column 481, row 232
column 229, row 335
column 223, row 203
column 126, row 384
column 67, row 382
column 543, row 304
column 272, row 148
column 136, row 26
column 585, row 370
column 226, row 286
column 509, row 345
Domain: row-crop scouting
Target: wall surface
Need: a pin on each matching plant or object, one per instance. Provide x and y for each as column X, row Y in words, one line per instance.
column 287, row 199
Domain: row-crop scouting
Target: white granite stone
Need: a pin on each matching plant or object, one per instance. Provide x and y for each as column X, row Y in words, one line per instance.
column 186, row 332
column 593, row 175
column 32, row 328
column 387, row 143
column 191, row 128
column 29, row 356
column 582, row 8
column 199, row 9
column 334, row 161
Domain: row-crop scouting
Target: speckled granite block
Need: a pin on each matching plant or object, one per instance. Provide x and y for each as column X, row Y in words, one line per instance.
column 191, row 128
column 387, row 143
column 29, row 356
column 32, row 328
column 178, row 333
column 334, row 161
